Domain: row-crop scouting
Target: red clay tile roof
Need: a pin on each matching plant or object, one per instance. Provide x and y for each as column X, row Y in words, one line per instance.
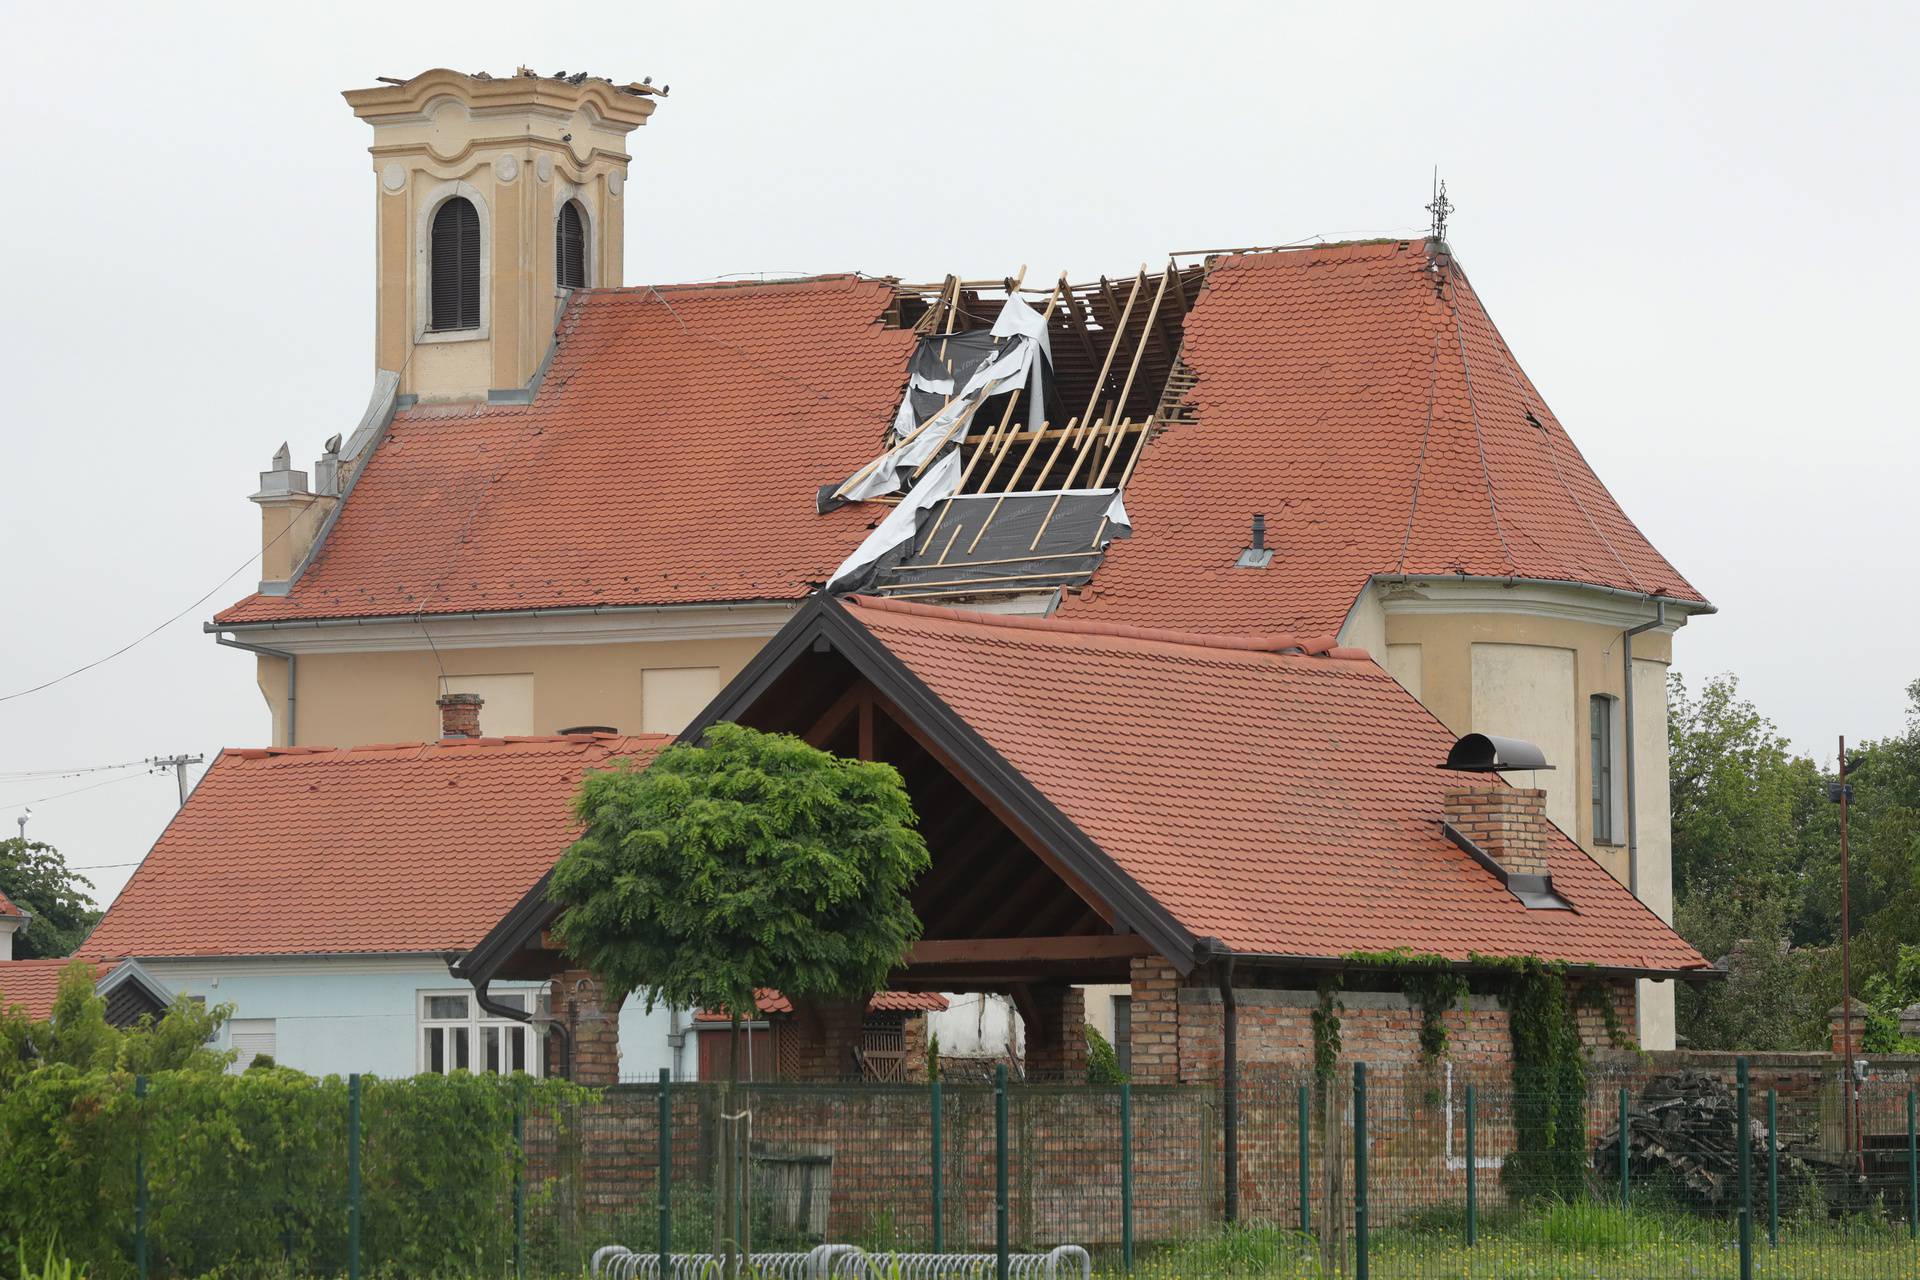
column 30, row 985
column 7, row 908
column 770, row 1001
column 673, row 453
column 382, row 849
column 672, row 456
column 1285, row 803
column 1380, row 429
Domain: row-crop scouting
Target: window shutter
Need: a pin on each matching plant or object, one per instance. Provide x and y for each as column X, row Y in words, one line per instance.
column 456, row 266
column 570, row 248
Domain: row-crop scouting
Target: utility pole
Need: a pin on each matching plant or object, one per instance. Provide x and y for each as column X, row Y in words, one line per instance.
column 1843, row 793
column 179, row 766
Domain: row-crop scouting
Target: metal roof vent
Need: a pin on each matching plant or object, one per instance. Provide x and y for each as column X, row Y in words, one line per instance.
column 1259, row 555
column 1484, row 753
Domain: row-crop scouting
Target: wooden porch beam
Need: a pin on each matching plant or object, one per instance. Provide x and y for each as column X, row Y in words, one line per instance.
column 1094, row 948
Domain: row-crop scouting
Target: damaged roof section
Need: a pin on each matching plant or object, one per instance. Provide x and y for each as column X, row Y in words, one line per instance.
column 1017, row 433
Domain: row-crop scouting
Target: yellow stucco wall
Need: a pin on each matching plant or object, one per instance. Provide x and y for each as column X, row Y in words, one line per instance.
column 345, row 699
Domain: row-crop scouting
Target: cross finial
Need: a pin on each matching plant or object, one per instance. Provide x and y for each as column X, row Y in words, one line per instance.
column 1439, row 207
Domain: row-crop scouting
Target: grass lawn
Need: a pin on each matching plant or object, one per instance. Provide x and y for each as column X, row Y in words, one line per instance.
column 1565, row 1242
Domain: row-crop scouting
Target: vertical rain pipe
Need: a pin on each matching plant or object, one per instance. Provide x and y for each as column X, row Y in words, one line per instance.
column 1743, row 1151
column 1126, row 1174
column 1000, row 1170
column 1230, row 1086
column 933, row 1106
column 1306, row 1159
column 1626, row 716
column 1360, row 1169
column 1913, row 1172
column 1473, row 1173
column 665, row 1177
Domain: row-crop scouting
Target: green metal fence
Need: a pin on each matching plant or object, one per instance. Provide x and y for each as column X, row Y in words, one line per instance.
column 1372, row 1174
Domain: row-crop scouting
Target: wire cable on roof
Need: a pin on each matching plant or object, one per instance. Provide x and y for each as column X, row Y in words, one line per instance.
column 1420, row 467
column 1479, row 436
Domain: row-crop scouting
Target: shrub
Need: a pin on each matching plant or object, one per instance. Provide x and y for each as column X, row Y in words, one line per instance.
column 1103, row 1064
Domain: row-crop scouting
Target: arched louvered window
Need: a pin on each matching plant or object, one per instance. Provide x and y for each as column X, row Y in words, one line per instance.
column 456, row 266
column 570, row 248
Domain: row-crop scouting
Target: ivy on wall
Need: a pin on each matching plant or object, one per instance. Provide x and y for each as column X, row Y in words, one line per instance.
column 1549, row 1081
column 1326, row 1029
column 1430, row 982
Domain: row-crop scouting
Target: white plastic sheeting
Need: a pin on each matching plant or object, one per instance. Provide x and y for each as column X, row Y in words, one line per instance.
column 1022, row 363
column 939, row 482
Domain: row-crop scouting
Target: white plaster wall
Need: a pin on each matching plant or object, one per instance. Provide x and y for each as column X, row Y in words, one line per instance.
column 670, row 697
column 1366, row 624
column 1402, row 662
column 506, row 702
column 976, row 1025
column 1099, row 1002
column 1654, row 823
column 1527, row 691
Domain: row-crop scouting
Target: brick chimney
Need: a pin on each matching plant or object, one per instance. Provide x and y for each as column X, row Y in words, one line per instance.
column 1509, row 824
column 460, row 715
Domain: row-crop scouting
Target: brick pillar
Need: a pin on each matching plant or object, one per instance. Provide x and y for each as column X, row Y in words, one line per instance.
column 580, row 1003
column 914, row 1033
column 825, row 1034
column 459, row 715
column 1835, row 1027
column 1156, row 1022
column 1056, row 1035
column 1508, row 823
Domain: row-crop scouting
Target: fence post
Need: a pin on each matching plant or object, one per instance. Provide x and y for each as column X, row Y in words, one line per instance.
column 520, row 1184
column 1626, row 1188
column 1126, row 1175
column 1360, row 1169
column 939, row 1186
column 1000, row 1169
column 1743, row 1148
column 140, row 1181
column 1913, row 1171
column 1773, row 1168
column 1306, row 1162
column 1473, row 1171
column 353, row 1176
column 665, row 1177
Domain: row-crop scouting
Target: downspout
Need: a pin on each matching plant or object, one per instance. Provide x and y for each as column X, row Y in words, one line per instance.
column 499, row 1010
column 1626, row 710
column 1229, row 1076
column 676, row 1043
column 293, row 737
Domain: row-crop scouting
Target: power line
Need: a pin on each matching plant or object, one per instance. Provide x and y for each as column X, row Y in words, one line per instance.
column 22, row 775
column 148, row 635
column 94, row 786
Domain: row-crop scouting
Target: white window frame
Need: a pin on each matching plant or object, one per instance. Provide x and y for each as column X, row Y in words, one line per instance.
column 476, row 1024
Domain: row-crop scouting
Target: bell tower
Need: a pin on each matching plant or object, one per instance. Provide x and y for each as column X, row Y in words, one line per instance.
column 493, row 197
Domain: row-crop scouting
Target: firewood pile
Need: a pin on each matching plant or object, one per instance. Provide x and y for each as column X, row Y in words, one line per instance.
column 1683, row 1131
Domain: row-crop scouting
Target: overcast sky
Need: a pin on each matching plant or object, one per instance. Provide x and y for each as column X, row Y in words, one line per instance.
column 1678, row 215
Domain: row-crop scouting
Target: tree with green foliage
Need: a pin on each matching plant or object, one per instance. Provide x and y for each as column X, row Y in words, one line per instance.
column 1103, row 1063
column 77, row 1035
column 37, row 879
column 747, row 860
